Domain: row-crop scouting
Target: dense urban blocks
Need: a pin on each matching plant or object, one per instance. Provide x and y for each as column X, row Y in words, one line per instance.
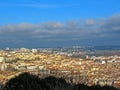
column 75, row 66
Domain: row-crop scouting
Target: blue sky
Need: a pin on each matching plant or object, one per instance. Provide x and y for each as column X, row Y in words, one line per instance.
column 44, row 23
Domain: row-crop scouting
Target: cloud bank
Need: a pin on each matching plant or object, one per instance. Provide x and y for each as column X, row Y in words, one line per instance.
column 104, row 31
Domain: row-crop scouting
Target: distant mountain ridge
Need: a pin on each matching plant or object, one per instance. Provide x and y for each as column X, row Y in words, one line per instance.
column 112, row 47
column 104, row 47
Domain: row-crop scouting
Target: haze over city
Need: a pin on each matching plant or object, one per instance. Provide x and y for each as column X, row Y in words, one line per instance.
column 51, row 23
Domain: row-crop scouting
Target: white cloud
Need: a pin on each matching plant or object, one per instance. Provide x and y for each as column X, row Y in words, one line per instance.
column 90, row 22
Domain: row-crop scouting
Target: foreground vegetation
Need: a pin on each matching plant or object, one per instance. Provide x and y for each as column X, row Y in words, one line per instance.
column 27, row 81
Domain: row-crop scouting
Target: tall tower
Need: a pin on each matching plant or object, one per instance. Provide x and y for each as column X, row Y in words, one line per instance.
column 86, row 56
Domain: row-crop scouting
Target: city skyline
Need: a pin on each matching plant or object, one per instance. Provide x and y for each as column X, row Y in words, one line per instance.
column 59, row 23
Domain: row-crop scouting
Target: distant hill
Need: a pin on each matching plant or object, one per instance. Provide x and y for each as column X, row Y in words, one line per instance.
column 114, row 47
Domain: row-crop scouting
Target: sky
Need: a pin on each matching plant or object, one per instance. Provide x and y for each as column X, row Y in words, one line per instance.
column 59, row 23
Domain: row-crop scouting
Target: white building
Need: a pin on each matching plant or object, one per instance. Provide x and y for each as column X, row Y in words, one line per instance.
column 3, row 67
column 1, row 59
column 103, row 62
column 34, row 50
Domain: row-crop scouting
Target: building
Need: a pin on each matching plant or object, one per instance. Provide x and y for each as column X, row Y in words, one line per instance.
column 3, row 67
column 1, row 59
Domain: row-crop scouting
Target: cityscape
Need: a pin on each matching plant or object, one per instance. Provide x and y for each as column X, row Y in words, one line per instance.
column 75, row 64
